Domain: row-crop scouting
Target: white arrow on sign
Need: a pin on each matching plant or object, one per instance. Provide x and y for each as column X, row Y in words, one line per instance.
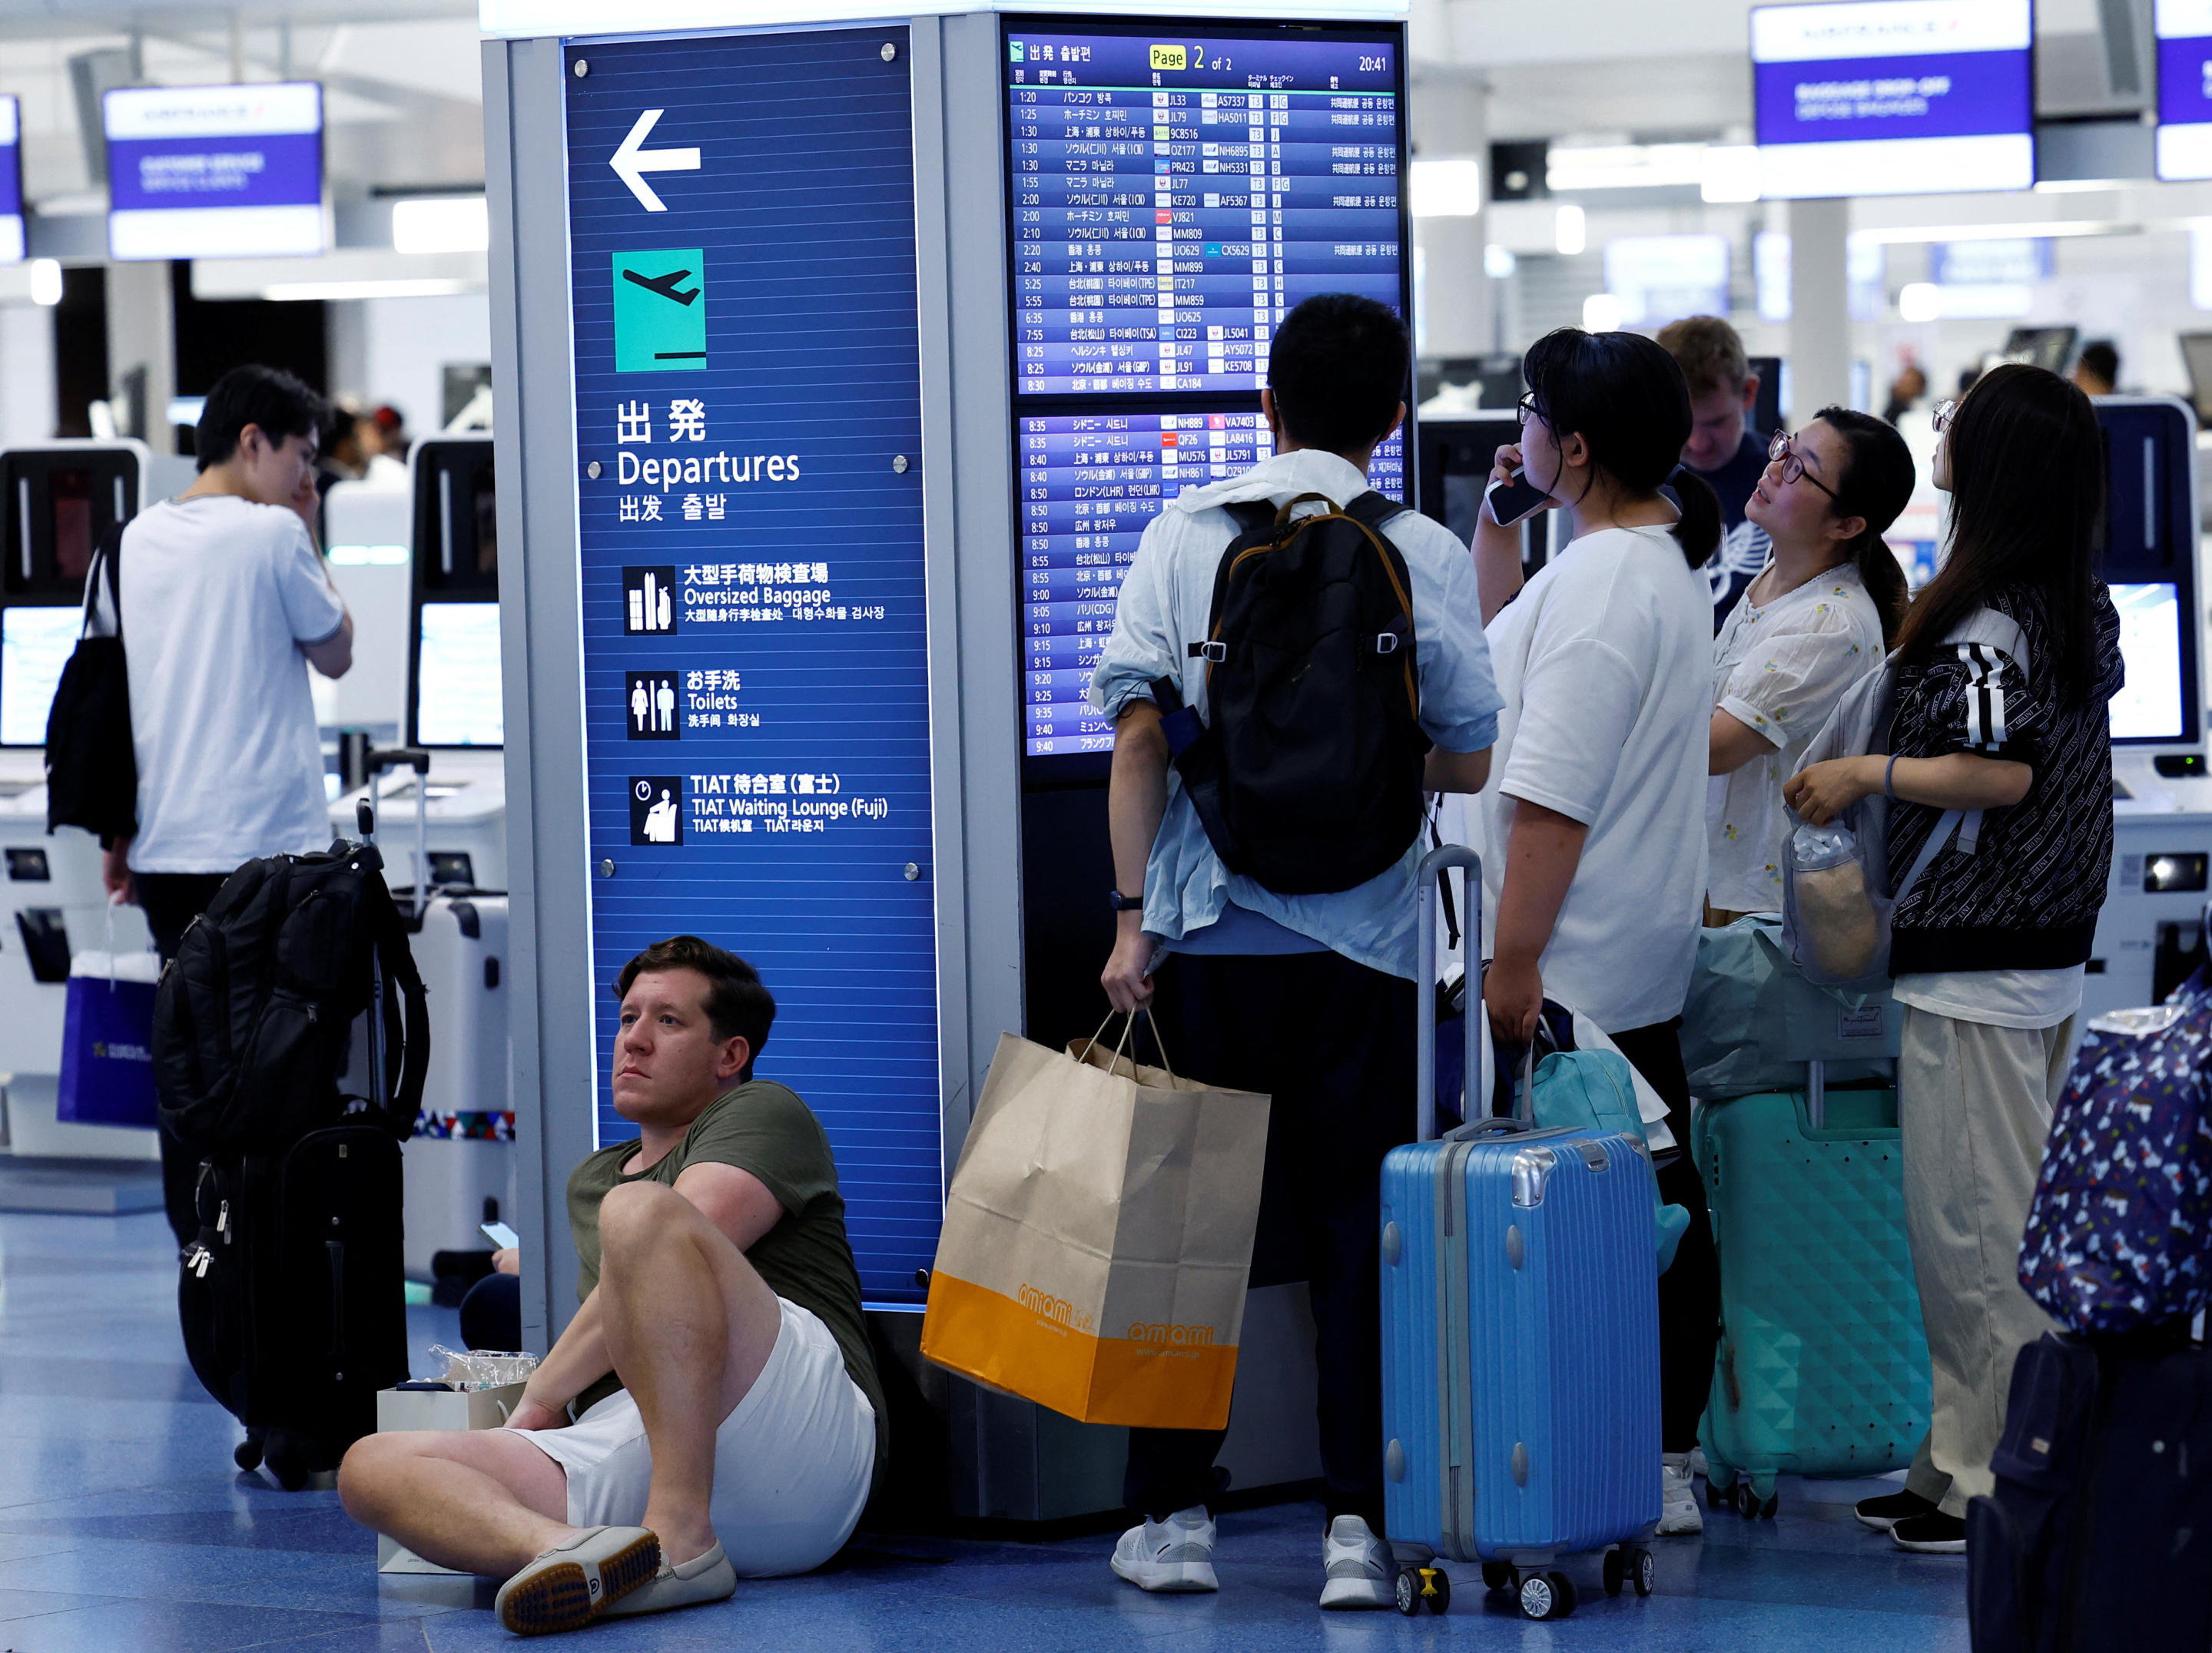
column 632, row 161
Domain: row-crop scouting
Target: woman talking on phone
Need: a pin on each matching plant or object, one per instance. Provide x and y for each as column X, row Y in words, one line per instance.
column 1592, row 827
column 1989, row 944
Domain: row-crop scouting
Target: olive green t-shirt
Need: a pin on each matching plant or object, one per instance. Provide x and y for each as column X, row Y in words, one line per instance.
column 763, row 1128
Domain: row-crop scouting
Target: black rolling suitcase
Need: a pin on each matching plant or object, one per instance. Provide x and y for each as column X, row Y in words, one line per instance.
column 292, row 1298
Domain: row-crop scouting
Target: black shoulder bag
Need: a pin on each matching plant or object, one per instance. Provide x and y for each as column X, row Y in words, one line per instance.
column 91, row 768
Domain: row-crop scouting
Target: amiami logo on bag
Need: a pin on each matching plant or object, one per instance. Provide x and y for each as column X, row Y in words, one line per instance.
column 109, row 1051
column 1058, row 1309
column 1182, row 1337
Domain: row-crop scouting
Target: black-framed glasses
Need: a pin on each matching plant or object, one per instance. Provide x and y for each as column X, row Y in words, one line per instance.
column 1526, row 408
column 1946, row 411
column 1792, row 466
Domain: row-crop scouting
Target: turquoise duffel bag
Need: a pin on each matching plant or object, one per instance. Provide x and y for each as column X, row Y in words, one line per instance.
column 1752, row 1021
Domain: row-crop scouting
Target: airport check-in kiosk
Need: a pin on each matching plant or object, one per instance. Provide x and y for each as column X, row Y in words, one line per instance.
column 450, row 695
column 837, row 446
column 440, row 661
column 60, row 499
column 2150, row 935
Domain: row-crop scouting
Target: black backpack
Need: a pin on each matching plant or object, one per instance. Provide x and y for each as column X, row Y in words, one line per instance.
column 253, row 1019
column 1308, row 776
column 91, row 768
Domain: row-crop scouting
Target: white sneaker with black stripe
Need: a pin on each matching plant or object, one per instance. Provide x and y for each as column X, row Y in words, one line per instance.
column 1358, row 1566
column 1174, row 1556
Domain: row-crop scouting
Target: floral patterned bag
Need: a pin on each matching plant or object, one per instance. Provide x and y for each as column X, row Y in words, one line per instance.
column 2119, row 1236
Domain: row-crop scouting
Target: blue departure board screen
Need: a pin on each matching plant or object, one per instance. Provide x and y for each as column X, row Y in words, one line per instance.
column 1174, row 195
column 1089, row 482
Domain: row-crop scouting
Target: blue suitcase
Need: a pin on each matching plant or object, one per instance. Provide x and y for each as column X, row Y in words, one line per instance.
column 1520, row 1343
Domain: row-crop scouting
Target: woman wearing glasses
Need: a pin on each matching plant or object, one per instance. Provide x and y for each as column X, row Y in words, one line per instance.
column 1988, row 945
column 1817, row 619
column 1592, row 826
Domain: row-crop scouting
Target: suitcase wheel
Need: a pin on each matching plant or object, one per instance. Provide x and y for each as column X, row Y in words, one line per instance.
column 1546, row 1595
column 1749, row 1503
column 1630, row 1563
column 1501, row 1575
column 246, row 1454
column 1424, row 1586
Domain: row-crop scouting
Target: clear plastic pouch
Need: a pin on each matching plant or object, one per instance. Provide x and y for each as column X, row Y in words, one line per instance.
column 475, row 1369
column 1835, row 920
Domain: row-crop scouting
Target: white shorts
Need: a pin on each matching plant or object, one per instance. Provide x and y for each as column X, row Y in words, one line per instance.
column 792, row 1463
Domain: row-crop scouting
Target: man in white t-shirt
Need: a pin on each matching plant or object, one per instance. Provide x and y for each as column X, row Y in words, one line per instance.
column 225, row 605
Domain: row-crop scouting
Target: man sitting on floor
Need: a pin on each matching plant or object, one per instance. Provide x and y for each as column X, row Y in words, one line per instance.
column 728, row 1418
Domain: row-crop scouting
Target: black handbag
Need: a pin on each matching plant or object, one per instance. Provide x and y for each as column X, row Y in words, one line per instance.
column 91, row 768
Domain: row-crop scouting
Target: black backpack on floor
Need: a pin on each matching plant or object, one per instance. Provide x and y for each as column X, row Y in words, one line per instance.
column 253, row 1017
column 1307, row 776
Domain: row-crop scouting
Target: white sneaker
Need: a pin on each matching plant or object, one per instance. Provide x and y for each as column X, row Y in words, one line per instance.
column 1360, row 1571
column 1678, row 1508
column 1171, row 1556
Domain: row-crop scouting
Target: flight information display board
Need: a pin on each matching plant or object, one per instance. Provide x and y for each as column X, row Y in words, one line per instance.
column 1089, row 484
column 1175, row 193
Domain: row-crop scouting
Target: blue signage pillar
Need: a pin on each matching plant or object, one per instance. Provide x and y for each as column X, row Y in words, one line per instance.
column 748, row 437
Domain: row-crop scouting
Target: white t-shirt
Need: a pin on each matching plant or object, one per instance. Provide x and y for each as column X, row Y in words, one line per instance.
column 1779, row 669
column 2031, row 999
column 1604, row 660
column 218, row 595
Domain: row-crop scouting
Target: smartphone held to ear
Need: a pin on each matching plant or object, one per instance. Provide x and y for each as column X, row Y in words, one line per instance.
column 1514, row 500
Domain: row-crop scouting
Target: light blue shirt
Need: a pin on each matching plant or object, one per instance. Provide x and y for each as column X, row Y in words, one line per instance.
column 1167, row 600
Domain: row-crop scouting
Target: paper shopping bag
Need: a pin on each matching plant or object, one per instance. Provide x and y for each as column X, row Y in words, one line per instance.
column 107, row 1040
column 1098, row 1238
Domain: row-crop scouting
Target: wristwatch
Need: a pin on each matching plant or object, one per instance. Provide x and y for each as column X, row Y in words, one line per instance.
column 1121, row 903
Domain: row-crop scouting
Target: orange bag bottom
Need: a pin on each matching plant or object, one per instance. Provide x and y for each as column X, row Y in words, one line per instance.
column 1155, row 1382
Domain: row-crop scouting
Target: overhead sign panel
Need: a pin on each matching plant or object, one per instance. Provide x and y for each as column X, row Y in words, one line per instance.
column 1893, row 97
column 1174, row 199
column 11, row 181
column 215, row 172
column 2184, row 28
column 756, row 666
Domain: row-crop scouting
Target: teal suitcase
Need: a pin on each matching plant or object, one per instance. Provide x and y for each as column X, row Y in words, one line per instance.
column 1823, row 1365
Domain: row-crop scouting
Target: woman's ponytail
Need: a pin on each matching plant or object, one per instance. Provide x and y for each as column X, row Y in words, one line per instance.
column 1699, row 533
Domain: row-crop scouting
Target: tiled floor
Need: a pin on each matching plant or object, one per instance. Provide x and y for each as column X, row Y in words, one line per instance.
column 124, row 1526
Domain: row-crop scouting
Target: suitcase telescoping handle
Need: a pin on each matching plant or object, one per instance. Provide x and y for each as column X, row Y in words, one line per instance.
column 1435, row 867
column 376, row 760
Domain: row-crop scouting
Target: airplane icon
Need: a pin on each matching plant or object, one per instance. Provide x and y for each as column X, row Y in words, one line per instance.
column 664, row 285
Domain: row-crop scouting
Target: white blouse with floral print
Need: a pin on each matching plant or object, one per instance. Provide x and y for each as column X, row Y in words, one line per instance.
column 1780, row 670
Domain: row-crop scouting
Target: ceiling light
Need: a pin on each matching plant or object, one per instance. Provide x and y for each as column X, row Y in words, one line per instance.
column 1926, row 302
column 1731, row 173
column 45, row 281
column 1892, row 235
column 1570, row 231
column 442, row 224
column 1601, row 313
column 1499, row 262
column 1624, row 167
column 1447, row 189
column 428, row 288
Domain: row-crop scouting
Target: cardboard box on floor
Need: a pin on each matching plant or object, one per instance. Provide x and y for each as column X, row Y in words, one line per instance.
column 434, row 1408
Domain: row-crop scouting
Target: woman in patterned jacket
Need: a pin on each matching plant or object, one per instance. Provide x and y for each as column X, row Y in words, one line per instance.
column 1989, row 943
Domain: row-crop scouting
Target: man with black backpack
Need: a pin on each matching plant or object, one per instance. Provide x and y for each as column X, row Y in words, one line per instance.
column 226, row 603
column 1295, row 661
